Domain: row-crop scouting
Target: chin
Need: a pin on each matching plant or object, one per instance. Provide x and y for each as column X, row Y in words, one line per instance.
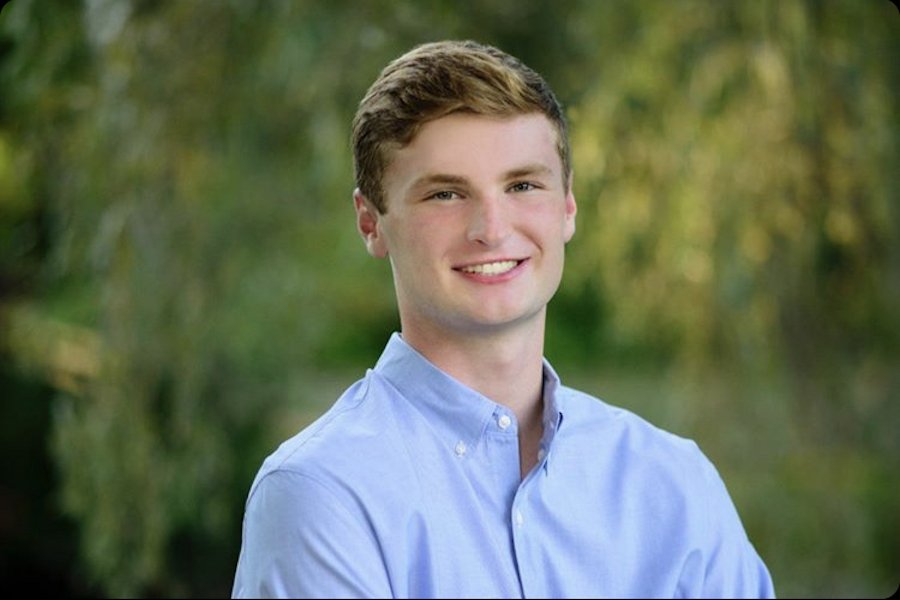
column 498, row 322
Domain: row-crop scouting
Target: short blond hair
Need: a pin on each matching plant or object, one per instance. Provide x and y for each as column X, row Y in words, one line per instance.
column 437, row 79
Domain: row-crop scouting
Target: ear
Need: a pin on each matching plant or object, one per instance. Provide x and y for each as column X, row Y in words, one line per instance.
column 571, row 209
column 368, row 223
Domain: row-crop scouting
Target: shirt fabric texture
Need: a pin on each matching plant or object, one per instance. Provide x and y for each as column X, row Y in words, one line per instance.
column 410, row 486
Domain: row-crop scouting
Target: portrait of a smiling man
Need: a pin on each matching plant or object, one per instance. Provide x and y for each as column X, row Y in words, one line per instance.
column 460, row 465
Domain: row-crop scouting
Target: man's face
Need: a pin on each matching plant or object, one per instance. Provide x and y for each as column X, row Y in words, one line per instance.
column 476, row 223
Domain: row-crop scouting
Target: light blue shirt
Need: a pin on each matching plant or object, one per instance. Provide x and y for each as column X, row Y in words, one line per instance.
column 410, row 486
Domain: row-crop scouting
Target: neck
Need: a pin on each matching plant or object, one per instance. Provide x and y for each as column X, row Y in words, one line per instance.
column 505, row 366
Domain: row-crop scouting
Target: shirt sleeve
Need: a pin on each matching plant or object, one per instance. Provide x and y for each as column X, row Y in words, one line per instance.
column 301, row 541
column 732, row 568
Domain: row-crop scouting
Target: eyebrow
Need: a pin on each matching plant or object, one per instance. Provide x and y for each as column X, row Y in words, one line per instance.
column 529, row 171
column 439, row 179
column 450, row 179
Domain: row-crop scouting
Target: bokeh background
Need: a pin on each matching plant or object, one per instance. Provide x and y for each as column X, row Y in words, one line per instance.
column 182, row 287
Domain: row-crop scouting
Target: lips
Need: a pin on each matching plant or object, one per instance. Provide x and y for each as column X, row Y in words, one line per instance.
column 491, row 268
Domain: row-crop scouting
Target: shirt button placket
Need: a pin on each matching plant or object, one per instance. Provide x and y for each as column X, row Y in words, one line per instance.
column 521, row 553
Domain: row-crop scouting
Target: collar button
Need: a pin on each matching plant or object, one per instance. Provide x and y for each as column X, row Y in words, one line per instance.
column 460, row 448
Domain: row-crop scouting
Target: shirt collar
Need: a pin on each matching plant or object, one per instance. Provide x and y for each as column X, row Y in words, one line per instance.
column 459, row 414
column 553, row 413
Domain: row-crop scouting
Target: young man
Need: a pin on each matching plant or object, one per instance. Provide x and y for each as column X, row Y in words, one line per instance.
column 460, row 466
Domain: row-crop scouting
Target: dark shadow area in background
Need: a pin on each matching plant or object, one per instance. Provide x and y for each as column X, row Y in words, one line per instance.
column 38, row 546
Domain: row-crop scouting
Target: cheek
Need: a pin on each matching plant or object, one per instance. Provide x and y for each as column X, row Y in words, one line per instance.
column 550, row 226
column 417, row 241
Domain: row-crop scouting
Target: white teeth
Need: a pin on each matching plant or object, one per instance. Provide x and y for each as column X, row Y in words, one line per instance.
column 494, row 268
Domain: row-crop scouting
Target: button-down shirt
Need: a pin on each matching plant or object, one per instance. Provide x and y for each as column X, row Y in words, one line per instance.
column 410, row 486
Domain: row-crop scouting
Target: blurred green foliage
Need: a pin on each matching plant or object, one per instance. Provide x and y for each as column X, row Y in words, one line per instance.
column 178, row 259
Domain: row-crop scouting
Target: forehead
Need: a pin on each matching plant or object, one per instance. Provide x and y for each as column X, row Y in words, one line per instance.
column 475, row 147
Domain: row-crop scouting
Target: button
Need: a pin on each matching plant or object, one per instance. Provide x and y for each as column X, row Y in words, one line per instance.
column 541, row 454
column 504, row 421
column 519, row 518
column 460, row 448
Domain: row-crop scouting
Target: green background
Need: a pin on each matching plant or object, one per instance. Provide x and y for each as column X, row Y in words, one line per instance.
column 182, row 286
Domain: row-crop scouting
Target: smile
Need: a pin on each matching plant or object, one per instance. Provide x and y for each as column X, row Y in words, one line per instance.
column 492, row 268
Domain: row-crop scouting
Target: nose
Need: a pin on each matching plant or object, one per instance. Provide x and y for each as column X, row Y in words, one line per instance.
column 489, row 221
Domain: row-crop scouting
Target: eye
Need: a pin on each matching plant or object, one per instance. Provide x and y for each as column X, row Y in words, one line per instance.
column 442, row 195
column 522, row 186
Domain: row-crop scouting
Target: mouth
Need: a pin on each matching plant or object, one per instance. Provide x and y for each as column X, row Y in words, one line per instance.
column 498, row 267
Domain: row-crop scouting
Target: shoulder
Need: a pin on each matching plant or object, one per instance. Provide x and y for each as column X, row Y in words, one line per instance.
column 355, row 444
column 622, row 450
column 670, row 490
column 307, row 508
column 586, row 416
